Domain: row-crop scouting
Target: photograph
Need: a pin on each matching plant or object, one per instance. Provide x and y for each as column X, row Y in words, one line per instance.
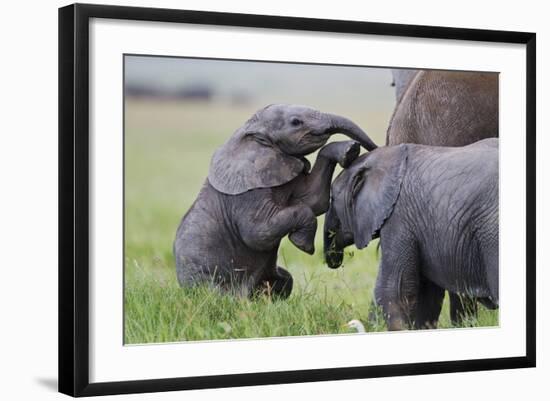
column 274, row 199
column 251, row 199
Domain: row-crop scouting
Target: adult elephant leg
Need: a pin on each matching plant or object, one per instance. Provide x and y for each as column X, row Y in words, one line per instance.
column 428, row 308
column 314, row 190
column 461, row 307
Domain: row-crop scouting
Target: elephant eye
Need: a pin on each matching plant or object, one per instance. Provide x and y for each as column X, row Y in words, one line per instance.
column 295, row 122
column 261, row 139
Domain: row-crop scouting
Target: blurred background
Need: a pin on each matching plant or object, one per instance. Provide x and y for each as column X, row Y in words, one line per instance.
column 242, row 87
column 177, row 112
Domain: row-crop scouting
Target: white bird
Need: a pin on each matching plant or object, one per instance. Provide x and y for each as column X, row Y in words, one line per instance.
column 356, row 325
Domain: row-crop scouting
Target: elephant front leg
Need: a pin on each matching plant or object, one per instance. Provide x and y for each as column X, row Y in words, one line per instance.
column 398, row 285
column 298, row 221
column 398, row 304
column 303, row 235
column 314, row 191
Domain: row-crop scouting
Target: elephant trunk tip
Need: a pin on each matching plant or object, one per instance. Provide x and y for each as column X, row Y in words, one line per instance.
column 333, row 255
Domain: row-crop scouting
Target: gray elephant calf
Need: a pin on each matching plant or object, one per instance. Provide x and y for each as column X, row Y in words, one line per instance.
column 259, row 189
column 436, row 212
column 445, row 108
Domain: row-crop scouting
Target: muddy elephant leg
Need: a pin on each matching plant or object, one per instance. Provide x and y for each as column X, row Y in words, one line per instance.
column 461, row 307
column 298, row 221
column 314, row 191
column 428, row 308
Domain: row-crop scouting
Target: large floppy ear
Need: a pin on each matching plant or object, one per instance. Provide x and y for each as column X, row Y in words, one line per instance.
column 248, row 161
column 374, row 191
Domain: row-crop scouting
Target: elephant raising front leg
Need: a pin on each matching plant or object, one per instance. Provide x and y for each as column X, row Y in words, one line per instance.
column 259, row 190
column 298, row 221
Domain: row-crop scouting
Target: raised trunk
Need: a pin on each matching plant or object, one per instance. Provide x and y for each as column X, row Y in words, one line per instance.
column 347, row 127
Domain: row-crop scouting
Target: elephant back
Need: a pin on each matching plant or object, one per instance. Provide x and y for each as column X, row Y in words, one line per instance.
column 446, row 108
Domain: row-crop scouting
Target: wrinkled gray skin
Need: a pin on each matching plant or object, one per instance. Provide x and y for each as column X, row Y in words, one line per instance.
column 259, row 189
column 435, row 210
column 445, row 108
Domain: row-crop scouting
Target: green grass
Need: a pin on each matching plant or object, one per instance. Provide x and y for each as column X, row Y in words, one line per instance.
column 160, row 311
column 168, row 148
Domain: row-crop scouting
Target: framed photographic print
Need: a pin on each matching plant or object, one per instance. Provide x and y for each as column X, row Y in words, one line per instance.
column 251, row 199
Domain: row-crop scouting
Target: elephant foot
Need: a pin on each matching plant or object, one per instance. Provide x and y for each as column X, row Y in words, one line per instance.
column 350, row 154
column 461, row 308
column 303, row 233
column 304, row 236
column 279, row 285
column 304, row 240
column 344, row 153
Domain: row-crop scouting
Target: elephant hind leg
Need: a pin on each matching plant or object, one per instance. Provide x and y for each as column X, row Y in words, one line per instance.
column 281, row 285
column 191, row 274
column 428, row 307
column 277, row 285
column 491, row 265
column 461, row 307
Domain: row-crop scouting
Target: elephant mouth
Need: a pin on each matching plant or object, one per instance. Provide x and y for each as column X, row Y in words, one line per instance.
column 310, row 141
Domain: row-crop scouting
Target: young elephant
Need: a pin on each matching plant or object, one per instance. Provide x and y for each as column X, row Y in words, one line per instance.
column 445, row 108
column 436, row 212
column 259, row 189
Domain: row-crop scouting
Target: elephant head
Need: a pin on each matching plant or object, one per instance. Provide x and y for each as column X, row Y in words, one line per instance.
column 269, row 149
column 363, row 196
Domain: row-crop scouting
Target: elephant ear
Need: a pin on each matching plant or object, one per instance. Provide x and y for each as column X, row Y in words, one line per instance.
column 374, row 191
column 249, row 161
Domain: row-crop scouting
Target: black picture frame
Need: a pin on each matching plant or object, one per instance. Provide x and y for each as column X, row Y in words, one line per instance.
column 74, row 198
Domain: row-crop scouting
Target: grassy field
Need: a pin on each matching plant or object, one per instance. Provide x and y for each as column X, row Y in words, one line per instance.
column 168, row 146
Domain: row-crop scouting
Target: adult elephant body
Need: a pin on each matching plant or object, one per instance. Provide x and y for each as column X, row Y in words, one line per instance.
column 259, row 189
column 445, row 108
column 401, row 80
column 435, row 210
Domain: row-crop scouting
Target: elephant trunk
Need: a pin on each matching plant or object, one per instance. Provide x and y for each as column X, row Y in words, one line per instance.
column 347, row 127
column 334, row 253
